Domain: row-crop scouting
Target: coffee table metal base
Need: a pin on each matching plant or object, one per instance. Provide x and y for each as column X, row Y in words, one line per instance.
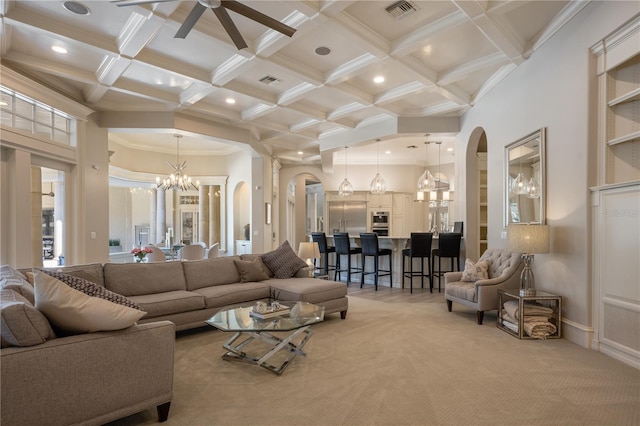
column 236, row 352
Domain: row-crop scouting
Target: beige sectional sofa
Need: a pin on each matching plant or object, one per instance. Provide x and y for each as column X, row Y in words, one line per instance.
column 94, row 378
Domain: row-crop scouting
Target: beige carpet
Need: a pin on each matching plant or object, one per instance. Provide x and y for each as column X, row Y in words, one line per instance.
column 403, row 364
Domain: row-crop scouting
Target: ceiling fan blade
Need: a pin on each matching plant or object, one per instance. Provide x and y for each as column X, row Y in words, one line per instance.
column 230, row 27
column 191, row 20
column 258, row 17
column 136, row 2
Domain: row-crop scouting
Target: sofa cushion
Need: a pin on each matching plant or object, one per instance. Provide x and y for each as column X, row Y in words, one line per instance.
column 21, row 324
column 91, row 272
column 134, row 279
column 170, row 302
column 462, row 290
column 307, row 290
column 12, row 279
column 283, row 261
column 268, row 271
column 232, row 294
column 475, row 271
column 251, row 270
column 76, row 305
column 210, row 272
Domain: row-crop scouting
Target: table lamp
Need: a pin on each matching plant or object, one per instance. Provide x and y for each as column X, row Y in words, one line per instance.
column 528, row 239
column 308, row 251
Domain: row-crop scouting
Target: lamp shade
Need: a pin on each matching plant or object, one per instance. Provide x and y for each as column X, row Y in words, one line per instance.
column 529, row 239
column 308, row 250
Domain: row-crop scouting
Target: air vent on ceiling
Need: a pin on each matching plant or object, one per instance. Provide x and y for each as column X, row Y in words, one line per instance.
column 401, row 9
column 269, row 80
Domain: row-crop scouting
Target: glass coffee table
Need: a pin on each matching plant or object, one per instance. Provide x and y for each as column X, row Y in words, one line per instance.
column 293, row 326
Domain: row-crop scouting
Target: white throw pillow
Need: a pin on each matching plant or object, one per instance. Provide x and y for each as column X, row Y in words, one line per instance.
column 73, row 311
column 475, row 271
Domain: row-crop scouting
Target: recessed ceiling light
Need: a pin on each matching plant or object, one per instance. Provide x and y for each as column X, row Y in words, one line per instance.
column 76, row 7
column 449, row 149
column 300, row 152
column 230, row 101
column 387, row 152
column 378, row 79
column 3, row 103
column 59, row 49
column 323, row 50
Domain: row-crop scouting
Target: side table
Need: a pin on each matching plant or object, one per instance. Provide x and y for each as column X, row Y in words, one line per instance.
column 552, row 301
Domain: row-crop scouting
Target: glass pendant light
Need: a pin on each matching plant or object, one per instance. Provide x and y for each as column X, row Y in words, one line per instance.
column 519, row 186
column 426, row 182
column 345, row 189
column 533, row 189
column 378, row 185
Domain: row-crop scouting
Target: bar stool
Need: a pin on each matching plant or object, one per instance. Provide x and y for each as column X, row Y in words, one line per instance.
column 419, row 247
column 325, row 250
column 369, row 244
column 448, row 246
column 343, row 248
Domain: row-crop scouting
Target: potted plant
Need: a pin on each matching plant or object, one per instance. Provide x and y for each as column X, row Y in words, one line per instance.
column 114, row 246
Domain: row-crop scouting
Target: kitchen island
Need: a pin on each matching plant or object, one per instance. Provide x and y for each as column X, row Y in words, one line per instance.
column 397, row 244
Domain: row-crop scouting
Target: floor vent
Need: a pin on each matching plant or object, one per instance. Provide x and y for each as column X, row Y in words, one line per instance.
column 401, row 9
column 269, row 80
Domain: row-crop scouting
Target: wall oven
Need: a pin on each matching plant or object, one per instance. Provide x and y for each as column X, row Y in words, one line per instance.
column 380, row 223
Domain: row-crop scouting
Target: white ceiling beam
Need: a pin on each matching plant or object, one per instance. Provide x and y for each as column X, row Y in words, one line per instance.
column 466, row 70
column 414, row 41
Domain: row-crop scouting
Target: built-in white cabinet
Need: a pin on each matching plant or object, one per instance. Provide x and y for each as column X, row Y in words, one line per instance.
column 402, row 216
column 615, row 200
column 243, row 247
column 380, row 201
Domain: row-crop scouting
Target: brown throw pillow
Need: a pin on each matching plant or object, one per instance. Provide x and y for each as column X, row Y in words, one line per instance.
column 251, row 270
column 283, row 261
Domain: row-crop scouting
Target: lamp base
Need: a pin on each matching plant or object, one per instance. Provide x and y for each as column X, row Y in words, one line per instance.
column 527, row 280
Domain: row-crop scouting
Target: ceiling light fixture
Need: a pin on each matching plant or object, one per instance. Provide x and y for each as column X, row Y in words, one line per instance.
column 59, row 49
column 177, row 179
column 345, row 189
column 230, row 101
column 378, row 79
column 426, row 182
column 378, row 185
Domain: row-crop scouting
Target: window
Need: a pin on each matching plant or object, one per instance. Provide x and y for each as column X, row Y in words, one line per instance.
column 23, row 113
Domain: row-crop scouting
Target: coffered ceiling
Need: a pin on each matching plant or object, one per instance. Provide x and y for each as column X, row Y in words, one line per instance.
column 437, row 59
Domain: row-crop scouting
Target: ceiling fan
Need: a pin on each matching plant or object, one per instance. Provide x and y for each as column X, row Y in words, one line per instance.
column 220, row 7
column 50, row 193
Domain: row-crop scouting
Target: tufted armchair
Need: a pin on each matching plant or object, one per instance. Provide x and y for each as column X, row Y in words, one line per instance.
column 482, row 295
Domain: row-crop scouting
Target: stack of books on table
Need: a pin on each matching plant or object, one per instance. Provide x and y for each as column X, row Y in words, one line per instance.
column 270, row 312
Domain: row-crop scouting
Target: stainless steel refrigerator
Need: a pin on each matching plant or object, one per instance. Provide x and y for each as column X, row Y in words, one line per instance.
column 347, row 216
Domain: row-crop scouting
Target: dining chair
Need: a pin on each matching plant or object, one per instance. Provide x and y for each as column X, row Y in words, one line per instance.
column 325, row 251
column 458, row 227
column 214, row 251
column 419, row 247
column 156, row 255
column 191, row 252
column 343, row 248
column 448, row 247
column 371, row 248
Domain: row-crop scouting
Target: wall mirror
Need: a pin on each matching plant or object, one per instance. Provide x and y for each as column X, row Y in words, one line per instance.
column 525, row 185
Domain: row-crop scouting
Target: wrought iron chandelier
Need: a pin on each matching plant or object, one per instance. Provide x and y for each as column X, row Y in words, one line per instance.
column 177, row 179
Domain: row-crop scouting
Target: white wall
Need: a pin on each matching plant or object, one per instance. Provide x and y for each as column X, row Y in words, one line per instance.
column 554, row 88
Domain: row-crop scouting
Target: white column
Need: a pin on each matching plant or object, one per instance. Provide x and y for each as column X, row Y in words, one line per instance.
column 161, row 215
column 58, row 217
column 154, row 236
column 203, row 214
column 36, row 215
column 213, row 215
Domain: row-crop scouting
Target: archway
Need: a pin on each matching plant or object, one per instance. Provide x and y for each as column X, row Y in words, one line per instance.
column 476, row 194
column 306, row 190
